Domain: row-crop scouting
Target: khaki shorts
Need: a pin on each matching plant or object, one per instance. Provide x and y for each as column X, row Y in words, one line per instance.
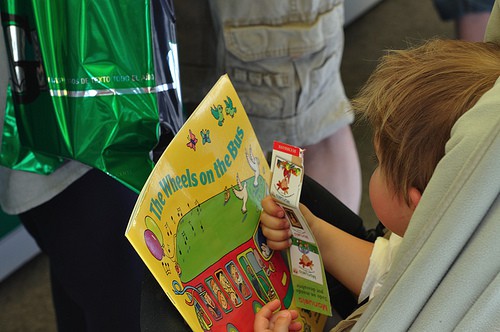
column 283, row 57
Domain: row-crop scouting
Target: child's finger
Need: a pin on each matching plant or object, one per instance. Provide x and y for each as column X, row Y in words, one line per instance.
column 279, row 245
column 269, row 205
column 276, row 234
column 263, row 317
column 277, row 239
column 273, row 222
column 295, row 325
column 285, row 321
column 282, row 321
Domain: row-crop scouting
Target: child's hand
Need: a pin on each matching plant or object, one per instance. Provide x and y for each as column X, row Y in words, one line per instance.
column 281, row 321
column 275, row 226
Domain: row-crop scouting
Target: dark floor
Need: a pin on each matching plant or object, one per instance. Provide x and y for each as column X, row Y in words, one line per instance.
column 25, row 301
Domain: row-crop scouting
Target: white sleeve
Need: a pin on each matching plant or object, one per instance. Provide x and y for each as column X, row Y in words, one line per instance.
column 384, row 251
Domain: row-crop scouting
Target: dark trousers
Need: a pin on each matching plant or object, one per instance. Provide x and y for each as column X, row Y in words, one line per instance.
column 95, row 273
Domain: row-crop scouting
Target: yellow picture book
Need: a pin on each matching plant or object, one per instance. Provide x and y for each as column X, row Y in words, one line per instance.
column 196, row 221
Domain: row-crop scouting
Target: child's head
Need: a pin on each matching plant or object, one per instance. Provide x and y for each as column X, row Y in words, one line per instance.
column 413, row 99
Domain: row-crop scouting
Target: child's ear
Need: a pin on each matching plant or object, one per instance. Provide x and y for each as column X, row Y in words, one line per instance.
column 414, row 195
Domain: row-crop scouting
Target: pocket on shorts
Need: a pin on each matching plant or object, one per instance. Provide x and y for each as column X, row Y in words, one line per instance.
column 279, row 65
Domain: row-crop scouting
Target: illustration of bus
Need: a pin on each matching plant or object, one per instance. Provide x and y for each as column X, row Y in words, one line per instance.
column 228, row 275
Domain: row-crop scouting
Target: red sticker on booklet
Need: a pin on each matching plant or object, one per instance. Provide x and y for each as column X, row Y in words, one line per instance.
column 290, row 149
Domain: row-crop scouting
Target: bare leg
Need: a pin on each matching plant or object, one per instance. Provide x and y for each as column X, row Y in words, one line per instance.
column 334, row 163
column 471, row 27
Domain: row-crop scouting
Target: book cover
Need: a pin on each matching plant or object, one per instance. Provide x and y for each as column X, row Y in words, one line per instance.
column 196, row 221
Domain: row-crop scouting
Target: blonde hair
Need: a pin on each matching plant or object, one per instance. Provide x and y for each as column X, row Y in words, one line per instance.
column 413, row 99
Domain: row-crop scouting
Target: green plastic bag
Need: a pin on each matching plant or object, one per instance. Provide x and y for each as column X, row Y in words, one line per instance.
column 14, row 155
column 107, row 84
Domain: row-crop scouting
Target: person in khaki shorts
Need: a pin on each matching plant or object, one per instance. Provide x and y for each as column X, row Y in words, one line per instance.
column 283, row 57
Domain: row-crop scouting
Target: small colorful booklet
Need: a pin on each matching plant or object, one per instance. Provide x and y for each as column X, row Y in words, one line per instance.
column 308, row 273
column 196, row 222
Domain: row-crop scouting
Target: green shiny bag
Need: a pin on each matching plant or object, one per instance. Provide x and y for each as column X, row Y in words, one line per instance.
column 93, row 81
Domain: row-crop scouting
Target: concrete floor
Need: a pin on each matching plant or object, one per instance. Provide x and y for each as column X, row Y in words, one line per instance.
column 25, row 299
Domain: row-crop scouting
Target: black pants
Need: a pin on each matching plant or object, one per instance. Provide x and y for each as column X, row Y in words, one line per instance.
column 95, row 273
column 159, row 314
